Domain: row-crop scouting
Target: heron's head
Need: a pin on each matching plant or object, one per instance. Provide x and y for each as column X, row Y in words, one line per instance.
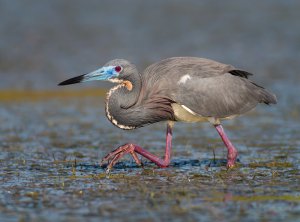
column 116, row 70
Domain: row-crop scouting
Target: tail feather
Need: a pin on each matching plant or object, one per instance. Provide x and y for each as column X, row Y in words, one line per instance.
column 265, row 96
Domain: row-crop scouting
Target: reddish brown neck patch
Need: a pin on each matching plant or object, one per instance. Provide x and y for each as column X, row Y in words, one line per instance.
column 127, row 84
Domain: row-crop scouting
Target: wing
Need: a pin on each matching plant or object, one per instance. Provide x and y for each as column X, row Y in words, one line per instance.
column 177, row 66
column 207, row 87
column 160, row 78
column 221, row 96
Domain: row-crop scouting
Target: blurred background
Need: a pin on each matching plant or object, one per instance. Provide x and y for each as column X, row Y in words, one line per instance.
column 52, row 138
column 44, row 42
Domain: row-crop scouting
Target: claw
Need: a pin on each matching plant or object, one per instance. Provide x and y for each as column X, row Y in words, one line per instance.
column 113, row 157
column 230, row 165
column 107, row 171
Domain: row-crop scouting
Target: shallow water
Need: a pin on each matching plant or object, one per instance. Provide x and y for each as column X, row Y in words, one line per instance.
column 52, row 139
column 50, row 152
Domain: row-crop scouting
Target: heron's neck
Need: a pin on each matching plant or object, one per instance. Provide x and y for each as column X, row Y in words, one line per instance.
column 120, row 99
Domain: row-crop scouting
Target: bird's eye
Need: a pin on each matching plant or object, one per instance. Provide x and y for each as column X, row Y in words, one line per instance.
column 118, row 68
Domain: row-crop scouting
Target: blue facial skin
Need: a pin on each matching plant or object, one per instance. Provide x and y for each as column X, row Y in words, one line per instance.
column 104, row 73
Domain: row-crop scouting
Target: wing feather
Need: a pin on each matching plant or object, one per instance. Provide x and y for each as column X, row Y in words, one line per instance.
column 222, row 96
column 212, row 89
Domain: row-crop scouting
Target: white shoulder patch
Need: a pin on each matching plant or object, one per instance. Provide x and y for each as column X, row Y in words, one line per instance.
column 184, row 78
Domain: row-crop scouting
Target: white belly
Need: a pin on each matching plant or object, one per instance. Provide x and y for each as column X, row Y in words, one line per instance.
column 184, row 114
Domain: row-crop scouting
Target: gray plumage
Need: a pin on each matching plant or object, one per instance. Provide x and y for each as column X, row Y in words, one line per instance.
column 206, row 87
column 185, row 89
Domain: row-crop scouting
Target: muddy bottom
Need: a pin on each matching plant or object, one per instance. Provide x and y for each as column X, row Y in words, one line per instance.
column 49, row 167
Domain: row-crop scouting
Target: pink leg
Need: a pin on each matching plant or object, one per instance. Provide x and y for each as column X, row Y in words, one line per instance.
column 232, row 152
column 132, row 149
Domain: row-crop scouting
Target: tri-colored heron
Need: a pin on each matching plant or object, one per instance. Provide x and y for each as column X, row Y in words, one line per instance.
column 187, row 89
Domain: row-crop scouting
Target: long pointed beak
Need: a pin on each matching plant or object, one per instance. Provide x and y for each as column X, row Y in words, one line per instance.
column 73, row 80
column 99, row 74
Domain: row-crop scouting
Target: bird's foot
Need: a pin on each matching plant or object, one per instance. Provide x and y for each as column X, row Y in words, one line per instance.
column 113, row 157
column 231, row 158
